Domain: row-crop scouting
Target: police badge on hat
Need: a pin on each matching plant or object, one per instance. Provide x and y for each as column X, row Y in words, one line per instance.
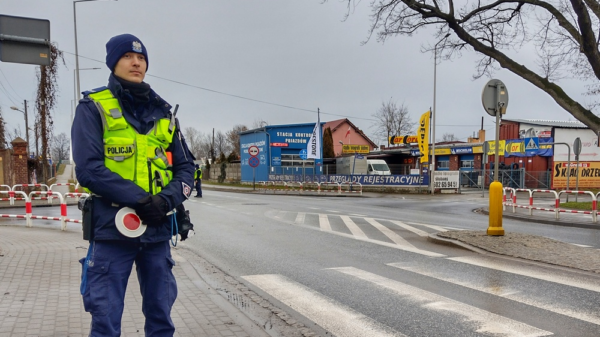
column 136, row 46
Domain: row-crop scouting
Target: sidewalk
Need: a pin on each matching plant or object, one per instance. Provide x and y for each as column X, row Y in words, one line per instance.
column 40, row 276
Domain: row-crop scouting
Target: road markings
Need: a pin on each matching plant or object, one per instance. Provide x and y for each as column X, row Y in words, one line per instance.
column 505, row 292
column 354, row 229
column 324, row 223
column 410, row 228
column 487, row 322
column 397, row 239
column 300, row 218
column 334, row 317
column 434, row 227
column 529, row 272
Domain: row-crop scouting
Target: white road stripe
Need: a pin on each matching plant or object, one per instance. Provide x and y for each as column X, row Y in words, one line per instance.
column 511, row 294
column 529, row 272
column 435, row 227
column 358, row 215
column 300, row 218
column 578, row 245
column 332, row 211
column 354, row 229
column 324, row 223
column 487, row 322
column 389, row 233
column 334, row 317
column 410, row 228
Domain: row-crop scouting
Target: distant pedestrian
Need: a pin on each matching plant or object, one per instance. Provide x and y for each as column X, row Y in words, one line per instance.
column 198, row 181
column 129, row 152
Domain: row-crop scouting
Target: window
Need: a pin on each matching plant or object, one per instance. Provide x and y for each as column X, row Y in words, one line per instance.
column 293, row 160
column 467, row 164
column 444, row 164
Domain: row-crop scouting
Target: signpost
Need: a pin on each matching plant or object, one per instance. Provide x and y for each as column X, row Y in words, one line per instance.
column 253, row 161
column 495, row 100
column 577, row 151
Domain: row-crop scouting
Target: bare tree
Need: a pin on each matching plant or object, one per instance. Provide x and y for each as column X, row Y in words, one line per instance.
column 563, row 33
column 449, row 137
column 61, row 146
column 9, row 136
column 233, row 138
column 193, row 139
column 206, row 145
column 259, row 123
column 46, row 100
column 221, row 144
column 392, row 120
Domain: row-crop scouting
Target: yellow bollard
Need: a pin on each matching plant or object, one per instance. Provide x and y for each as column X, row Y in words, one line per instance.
column 495, row 227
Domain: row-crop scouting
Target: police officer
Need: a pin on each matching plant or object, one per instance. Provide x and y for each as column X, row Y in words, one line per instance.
column 123, row 135
column 198, row 181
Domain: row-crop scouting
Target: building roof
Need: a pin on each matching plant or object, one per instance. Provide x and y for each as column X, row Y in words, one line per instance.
column 552, row 123
column 336, row 124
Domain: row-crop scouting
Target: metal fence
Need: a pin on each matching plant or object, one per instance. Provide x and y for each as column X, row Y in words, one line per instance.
column 518, row 178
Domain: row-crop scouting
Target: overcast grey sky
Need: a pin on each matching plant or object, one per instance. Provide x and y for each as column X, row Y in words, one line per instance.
column 295, row 53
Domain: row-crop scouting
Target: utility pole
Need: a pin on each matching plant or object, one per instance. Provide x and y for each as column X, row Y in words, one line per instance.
column 26, row 128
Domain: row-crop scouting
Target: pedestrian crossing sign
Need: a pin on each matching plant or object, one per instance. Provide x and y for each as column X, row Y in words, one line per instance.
column 532, row 143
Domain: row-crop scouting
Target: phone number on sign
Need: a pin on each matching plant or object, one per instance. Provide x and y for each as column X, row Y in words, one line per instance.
column 446, row 184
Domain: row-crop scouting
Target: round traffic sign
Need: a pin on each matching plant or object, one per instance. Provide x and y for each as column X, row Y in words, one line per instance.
column 253, row 161
column 303, row 154
column 494, row 97
column 253, row 151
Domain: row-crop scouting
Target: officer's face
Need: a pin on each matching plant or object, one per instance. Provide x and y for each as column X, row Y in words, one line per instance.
column 131, row 67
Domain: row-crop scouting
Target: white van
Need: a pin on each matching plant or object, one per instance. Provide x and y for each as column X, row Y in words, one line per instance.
column 378, row 167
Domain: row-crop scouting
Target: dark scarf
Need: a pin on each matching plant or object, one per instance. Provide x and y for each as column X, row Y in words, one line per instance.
column 139, row 92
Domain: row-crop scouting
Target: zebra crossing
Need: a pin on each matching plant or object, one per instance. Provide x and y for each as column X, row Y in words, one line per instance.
column 529, row 287
column 342, row 320
column 360, row 227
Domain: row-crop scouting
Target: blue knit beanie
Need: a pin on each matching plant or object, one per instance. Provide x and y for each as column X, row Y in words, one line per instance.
column 118, row 45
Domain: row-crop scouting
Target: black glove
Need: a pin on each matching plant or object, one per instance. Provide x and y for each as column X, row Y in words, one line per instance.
column 186, row 228
column 152, row 210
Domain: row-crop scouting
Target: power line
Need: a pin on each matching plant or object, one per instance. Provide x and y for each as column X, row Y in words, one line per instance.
column 8, row 82
column 238, row 96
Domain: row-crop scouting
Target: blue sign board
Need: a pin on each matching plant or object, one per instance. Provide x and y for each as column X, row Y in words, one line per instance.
column 303, row 155
column 394, row 180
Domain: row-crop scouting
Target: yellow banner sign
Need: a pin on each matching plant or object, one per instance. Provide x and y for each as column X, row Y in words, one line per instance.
column 492, row 147
column 423, row 137
column 441, row 151
column 396, row 140
column 589, row 175
column 348, row 148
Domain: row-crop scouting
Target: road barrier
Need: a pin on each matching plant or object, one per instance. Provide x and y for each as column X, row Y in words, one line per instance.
column 556, row 203
column 593, row 212
column 557, row 210
column 351, row 188
column 323, row 187
column 312, row 187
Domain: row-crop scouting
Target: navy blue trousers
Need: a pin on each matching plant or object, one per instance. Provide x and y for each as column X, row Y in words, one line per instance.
column 199, row 187
column 108, row 271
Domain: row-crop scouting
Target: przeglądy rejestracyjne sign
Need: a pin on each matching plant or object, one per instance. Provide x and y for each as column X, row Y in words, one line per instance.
column 393, row 180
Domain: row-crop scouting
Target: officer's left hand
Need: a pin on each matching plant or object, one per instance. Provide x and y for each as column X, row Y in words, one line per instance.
column 152, row 210
column 186, row 228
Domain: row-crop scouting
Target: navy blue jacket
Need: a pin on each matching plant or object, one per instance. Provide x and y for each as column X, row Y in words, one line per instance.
column 114, row 191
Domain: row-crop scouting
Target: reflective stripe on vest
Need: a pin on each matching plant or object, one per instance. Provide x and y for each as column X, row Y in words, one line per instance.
column 134, row 156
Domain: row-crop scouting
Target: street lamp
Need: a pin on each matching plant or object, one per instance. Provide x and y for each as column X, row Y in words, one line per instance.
column 432, row 164
column 76, row 51
column 26, row 123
